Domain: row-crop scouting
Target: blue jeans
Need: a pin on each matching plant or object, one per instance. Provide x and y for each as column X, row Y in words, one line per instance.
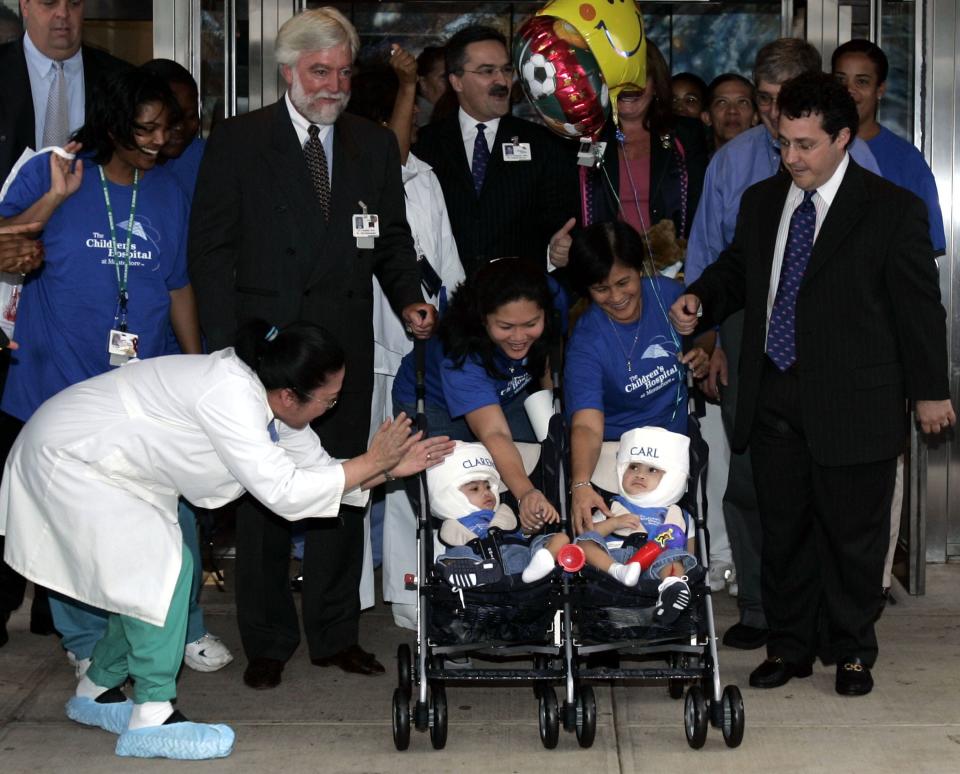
column 82, row 626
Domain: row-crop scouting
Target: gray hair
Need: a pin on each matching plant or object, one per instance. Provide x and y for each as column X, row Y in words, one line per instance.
column 784, row 59
column 315, row 30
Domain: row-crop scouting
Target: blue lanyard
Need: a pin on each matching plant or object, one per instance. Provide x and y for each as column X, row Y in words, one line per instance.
column 120, row 316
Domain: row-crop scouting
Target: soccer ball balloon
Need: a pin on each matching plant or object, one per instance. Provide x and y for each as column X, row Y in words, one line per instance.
column 561, row 77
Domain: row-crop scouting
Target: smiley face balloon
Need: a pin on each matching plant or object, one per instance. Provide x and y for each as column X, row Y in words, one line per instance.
column 612, row 30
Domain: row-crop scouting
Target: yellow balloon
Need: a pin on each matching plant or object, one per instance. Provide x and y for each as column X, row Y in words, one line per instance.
column 613, row 31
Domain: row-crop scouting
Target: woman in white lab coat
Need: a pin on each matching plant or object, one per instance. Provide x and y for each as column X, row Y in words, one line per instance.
column 89, row 501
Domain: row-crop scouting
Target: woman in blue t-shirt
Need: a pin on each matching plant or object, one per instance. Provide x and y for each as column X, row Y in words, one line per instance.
column 625, row 366
column 491, row 351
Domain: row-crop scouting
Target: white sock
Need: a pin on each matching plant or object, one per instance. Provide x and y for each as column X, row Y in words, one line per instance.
column 150, row 713
column 541, row 563
column 627, row 574
column 87, row 689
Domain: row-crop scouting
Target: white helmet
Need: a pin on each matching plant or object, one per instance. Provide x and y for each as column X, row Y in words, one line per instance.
column 661, row 449
column 468, row 462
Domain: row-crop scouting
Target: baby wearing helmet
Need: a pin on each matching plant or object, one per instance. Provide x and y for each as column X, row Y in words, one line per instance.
column 652, row 468
column 465, row 493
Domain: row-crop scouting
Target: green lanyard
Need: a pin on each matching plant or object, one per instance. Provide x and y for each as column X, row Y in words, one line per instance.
column 120, row 316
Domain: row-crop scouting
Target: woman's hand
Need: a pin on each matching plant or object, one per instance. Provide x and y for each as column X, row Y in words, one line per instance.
column 698, row 361
column 422, row 455
column 391, row 442
column 585, row 502
column 21, row 250
column 535, row 511
column 65, row 174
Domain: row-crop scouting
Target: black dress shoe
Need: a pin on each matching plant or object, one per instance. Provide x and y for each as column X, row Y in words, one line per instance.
column 775, row 672
column 352, row 659
column 4, row 636
column 745, row 637
column 262, row 673
column 853, row 678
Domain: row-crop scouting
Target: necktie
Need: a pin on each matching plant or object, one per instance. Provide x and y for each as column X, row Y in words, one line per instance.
column 781, row 334
column 317, row 166
column 56, row 121
column 481, row 157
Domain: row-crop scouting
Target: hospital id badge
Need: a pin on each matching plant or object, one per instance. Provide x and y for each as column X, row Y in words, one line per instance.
column 121, row 345
column 366, row 228
column 516, row 151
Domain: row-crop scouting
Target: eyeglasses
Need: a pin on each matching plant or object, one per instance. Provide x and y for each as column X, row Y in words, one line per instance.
column 489, row 71
column 802, row 146
column 766, row 100
column 330, row 402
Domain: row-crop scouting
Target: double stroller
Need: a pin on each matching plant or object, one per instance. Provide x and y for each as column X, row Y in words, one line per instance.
column 571, row 630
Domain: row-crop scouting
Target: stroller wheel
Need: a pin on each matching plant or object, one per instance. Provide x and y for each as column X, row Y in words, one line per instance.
column 586, row 716
column 404, row 669
column 549, row 717
column 438, row 717
column 695, row 719
column 401, row 719
column 731, row 705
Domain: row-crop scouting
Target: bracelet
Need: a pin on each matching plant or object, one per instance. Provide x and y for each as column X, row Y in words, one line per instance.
column 387, row 476
column 579, row 484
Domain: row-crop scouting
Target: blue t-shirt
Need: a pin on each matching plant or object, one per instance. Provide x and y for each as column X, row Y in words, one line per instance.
column 185, row 168
column 653, row 391
column 901, row 163
column 460, row 390
column 68, row 305
column 470, row 387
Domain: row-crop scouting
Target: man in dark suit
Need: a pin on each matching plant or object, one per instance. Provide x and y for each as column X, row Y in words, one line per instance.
column 508, row 196
column 834, row 269
column 31, row 65
column 272, row 237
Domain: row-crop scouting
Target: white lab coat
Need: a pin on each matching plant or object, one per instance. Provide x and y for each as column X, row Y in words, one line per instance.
column 433, row 238
column 89, row 495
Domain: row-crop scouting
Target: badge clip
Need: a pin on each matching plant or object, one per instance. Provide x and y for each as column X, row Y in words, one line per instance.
column 590, row 153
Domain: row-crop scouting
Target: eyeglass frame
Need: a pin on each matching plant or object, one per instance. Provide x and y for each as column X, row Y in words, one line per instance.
column 507, row 71
column 330, row 403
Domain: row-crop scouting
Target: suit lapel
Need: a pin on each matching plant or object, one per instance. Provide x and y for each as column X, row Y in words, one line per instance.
column 345, row 196
column 17, row 97
column 456, row 154
column 769, row 225
column 285, row 158
column 845, row 212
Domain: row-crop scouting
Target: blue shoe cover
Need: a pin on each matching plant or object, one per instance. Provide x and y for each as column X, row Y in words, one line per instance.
column 180, row 741
column 113, row 717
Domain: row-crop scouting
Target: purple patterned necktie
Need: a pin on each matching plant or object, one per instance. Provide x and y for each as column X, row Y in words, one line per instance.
column 481, row 157
column 781, row 333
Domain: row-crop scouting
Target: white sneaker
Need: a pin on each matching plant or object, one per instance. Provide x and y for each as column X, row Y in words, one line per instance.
column 720, row 575
column 208, row 654
column 80, row 665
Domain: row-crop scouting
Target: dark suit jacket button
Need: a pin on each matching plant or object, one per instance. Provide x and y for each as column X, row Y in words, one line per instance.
column 306, row 292
column 291, row 251
column 349, row 294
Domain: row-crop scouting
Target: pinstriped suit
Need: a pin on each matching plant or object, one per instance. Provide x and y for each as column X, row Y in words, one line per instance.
column 521, row 204
column 824, row 436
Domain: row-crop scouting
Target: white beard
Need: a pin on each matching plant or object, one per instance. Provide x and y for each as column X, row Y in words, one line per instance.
column 324, row 115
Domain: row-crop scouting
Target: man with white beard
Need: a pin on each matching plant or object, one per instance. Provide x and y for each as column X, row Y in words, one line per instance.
column 274, row 234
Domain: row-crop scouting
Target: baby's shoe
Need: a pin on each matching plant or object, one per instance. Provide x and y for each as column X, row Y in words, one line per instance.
column 674, row 598
column 627, row 574
column 466, row 573
column 541, row 565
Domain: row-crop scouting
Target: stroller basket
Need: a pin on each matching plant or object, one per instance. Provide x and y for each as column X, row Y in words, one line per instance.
column 502, row 612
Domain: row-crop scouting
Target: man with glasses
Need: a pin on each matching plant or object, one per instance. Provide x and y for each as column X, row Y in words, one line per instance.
column 748, row 158
column 509, row 184
column 833, row 267
column 273, row 235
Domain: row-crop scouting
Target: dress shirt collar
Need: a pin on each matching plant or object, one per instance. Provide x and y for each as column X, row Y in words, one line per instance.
column 42, row 64
column 826, row 192
column 302, row 125
column 468, row 126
